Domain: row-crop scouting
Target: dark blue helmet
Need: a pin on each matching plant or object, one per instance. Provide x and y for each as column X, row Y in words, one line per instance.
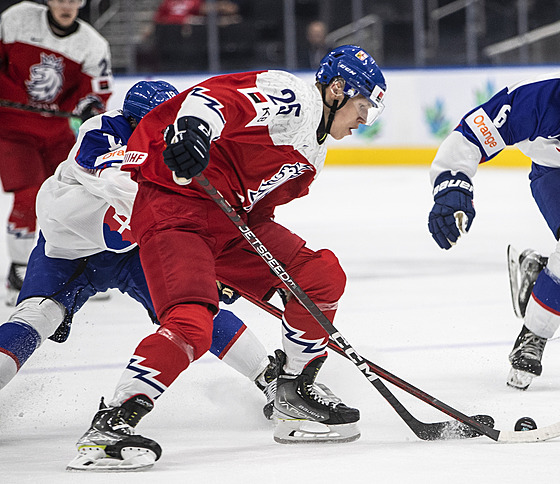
column 145, row 96
column 359, row 71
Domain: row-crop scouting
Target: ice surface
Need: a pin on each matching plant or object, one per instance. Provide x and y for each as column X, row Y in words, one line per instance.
column 441, row 320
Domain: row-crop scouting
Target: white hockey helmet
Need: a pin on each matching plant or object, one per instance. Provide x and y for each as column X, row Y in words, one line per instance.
column 82, row 2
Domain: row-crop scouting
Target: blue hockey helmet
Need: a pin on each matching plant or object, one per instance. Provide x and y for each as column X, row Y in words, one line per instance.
column 145, row 96
column 360, row 73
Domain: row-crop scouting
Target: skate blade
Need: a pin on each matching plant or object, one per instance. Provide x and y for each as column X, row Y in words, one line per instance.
column 306, row 431
column 94, row 459
column 519, row 379
column 513, row 271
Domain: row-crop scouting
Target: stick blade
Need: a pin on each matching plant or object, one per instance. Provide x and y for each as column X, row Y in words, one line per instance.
column 453, row 429
column 526, row 436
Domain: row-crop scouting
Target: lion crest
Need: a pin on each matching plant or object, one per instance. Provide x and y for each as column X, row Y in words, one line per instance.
column 46, row 78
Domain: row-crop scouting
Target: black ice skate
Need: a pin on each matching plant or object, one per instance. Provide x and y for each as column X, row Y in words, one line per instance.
column 14, row 282
column 524, row 269
column 311, row 413
column 525, row 359
column 266, row 381
column 110, row 443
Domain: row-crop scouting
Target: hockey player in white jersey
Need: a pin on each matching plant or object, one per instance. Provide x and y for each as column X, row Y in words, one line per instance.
column 85, row 247
column 525, row 115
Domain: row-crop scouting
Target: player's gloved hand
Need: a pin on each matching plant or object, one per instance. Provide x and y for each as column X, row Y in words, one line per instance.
column 227, row 294
column 453, row 211
column 88, row 107
column 188, row 147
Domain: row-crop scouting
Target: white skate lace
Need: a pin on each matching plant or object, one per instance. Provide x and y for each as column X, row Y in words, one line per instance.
column 270, row 390
column 118, row 424
column 323, row 394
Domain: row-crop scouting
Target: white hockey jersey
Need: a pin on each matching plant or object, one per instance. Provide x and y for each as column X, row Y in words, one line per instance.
column 84, row 208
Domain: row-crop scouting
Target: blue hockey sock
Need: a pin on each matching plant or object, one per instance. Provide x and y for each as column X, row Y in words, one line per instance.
column 18, row 341
column 226, row 331
column 546, row 291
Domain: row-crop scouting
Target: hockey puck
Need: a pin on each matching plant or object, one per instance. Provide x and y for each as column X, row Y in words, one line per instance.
column 525, row 423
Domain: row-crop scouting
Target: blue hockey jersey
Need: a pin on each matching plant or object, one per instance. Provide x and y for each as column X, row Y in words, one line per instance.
column 525, row 115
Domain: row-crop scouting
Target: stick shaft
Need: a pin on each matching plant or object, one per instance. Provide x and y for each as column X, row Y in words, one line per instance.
column 368, row 369
column 5, row 103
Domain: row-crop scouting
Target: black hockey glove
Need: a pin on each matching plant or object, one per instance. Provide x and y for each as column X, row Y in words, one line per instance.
column 453, row 203
column 227, row 294
column 188, row 147
column 88, row 107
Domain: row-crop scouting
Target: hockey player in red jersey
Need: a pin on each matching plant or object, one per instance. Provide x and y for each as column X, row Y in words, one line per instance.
column 49, row 60
column 260, row 139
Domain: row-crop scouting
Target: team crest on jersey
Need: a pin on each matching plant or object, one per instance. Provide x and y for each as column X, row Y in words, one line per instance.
column 45, row 79
column 287, row 172
column 116, row 231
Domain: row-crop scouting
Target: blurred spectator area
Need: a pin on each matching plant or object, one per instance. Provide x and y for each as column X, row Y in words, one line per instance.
column 276, row 33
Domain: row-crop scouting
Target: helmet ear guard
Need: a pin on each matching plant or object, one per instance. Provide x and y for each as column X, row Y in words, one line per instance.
column 145, row 96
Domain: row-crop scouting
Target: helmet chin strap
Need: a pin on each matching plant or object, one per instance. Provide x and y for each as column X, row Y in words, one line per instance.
column 323, row 130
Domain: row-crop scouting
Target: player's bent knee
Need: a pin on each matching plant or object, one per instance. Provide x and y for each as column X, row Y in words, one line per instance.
column 322, row 277
column 42, row 314
column 192, row 324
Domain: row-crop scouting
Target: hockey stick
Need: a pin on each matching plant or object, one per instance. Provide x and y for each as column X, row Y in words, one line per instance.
column 371, row 369
column 34, row 109
column 447, row 430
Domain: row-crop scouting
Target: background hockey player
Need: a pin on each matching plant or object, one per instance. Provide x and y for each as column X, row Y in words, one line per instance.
column 49, row 59
column 85, row 247
column 527, row 115
column 260, row 138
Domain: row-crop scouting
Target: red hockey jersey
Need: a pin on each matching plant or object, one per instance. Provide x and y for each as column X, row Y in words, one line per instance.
column 264, row 149
column 43, row 70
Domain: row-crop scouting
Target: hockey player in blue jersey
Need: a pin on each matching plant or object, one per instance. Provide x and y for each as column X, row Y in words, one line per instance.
column 85, row 247
column 525, row 115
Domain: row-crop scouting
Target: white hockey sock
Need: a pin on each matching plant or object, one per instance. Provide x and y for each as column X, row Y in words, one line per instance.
column 8, row 369
column 247, row 355
column 539, row 321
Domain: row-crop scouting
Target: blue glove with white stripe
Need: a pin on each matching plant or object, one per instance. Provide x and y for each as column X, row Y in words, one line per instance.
column 453, row 211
